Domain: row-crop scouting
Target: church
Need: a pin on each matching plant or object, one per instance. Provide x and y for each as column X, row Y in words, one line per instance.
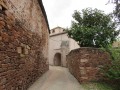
column 59, row 46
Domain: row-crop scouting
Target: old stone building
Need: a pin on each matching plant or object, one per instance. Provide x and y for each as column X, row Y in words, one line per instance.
column 59, row 46
column 23, row 43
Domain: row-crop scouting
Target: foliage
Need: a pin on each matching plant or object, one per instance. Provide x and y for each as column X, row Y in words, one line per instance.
column 117, row 8
column 96, row 86
column 92, row 28
column 113, row 70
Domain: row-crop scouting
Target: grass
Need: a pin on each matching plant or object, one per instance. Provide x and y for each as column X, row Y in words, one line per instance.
column 97, row 86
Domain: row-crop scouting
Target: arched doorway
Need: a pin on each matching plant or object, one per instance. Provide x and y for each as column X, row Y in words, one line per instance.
column 57, row 59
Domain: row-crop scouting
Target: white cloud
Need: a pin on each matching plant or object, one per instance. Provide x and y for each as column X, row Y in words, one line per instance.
column 59, row 12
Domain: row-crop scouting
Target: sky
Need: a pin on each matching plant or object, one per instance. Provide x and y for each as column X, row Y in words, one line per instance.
column 59, row 12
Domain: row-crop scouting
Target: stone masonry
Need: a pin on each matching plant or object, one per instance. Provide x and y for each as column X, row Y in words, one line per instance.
column 23, row 43
column 85, row 63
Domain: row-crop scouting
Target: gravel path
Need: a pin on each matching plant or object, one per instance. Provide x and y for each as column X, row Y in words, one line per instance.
column 57, row 78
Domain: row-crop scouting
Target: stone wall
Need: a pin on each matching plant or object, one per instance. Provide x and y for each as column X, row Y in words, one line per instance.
column 85, row 63
column 23, row 45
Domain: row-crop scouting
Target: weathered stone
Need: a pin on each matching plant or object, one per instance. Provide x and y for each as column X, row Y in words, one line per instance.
column 22, row 55
column 9, row 15
column 3, row 81
column 0, row 7
column 84, row 63
column 5, row 66
column 0, row 38
column 19, row 50
column 26, row 51
column 84, row 78
column 23, row 45
column 88, row 68
column 5, row 37
column 9, row 27
column 83, row 60
column 1, row 70
column 3, row 4
column 1, row 19
column 81, row 68
column 2, row 24
column 27, row 47
column 82, row 71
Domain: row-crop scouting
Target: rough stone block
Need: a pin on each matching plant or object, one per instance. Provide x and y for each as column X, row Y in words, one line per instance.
column 2, row 24
column 3, row 4
column 22, row 55
column 19, row 50
column 23, row 45
column 84, row 78
column 3, row 81
column 0, row 38
column 9, row 15
column 81, row 67
column 27, row 47
column 26, row 51
column 0, row 7
column 1, row 18
column 83, row 60
column 82, row 71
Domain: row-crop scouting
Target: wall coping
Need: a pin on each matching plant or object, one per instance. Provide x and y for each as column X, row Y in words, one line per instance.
column 81, row 48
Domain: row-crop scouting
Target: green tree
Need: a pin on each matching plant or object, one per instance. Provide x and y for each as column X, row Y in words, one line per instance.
column 92, row 28
column 117, row 9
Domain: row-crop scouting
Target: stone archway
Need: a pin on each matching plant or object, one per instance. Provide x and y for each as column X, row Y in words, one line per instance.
column 57, row 59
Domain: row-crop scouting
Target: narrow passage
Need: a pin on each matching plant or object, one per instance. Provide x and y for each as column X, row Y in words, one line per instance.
column 57, row 78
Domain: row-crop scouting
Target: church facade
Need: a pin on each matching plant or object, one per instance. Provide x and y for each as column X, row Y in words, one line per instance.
column 59, row 46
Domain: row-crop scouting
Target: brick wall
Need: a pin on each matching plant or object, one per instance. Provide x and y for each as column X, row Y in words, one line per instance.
column 23, row 44
column 85, row 63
